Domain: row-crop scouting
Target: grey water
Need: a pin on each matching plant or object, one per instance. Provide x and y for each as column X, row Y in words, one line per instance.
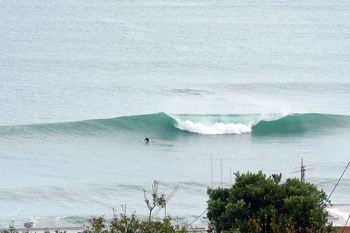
column 199, row 63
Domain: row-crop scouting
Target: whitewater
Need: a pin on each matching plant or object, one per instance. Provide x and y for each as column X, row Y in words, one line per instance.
column 252, row 85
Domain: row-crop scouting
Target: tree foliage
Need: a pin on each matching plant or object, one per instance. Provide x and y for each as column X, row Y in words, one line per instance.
column 256, row 203
column 157, row 200
column 126, row 224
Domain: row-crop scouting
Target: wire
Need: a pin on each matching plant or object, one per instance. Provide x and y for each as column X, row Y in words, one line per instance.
column 329, row 197
column 171, row 194
column 198, row 217
column 345, row 224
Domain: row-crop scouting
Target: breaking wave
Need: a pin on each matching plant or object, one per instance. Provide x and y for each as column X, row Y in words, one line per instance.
column 160, row 123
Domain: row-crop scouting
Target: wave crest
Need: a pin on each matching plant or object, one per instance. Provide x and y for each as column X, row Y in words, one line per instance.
column 162, row 125
column 216, row 128
column 257, row 124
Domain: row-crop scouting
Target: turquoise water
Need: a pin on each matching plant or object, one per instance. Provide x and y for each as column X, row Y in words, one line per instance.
column 257, row 85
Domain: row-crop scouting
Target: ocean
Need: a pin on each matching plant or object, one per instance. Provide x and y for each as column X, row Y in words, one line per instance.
column 222, row 86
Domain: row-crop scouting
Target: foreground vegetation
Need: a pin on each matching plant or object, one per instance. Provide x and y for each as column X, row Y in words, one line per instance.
column 125, row 224
column 256, row 203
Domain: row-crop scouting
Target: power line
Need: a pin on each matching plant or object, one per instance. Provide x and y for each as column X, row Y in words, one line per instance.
column 198, row 217
column 171, row 194
column 345, row 224
column 329, row 197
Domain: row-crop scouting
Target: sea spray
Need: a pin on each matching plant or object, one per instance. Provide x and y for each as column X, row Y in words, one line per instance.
column 216, row 128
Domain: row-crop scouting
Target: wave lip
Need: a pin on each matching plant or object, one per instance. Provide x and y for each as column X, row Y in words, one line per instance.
column 214, row 124
column 216, row 128
column 257, row 124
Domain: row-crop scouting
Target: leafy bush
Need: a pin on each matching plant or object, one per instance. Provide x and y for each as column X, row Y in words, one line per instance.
column 256, row 203
column 126, row 224
column 11, row 229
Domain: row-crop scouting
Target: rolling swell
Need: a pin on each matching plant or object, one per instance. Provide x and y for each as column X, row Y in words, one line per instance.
column 159, row 122
column 301, row 123
column 162, row 124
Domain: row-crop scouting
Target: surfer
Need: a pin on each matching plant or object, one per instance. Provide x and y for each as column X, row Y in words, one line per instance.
column 146, row 140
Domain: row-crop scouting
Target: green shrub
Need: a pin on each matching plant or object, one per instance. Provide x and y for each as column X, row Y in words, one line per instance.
column 97, row 225
column 256, row 203
column 126, row 224
column 11, row 229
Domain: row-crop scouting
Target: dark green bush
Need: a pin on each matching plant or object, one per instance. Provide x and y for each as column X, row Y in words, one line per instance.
column 256, row 203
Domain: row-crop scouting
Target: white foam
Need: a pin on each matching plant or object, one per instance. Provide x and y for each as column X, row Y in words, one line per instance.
column 216, row 128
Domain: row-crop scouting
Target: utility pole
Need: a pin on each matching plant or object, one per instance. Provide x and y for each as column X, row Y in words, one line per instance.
column 221, row 171
column 230, row 176
column 211, row 164
column 302, row 171
column 165, row 210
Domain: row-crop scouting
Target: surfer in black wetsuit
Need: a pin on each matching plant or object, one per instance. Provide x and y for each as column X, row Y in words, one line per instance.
column 146, row 140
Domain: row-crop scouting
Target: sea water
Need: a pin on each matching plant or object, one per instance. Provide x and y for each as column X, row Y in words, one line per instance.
column 220, row 86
